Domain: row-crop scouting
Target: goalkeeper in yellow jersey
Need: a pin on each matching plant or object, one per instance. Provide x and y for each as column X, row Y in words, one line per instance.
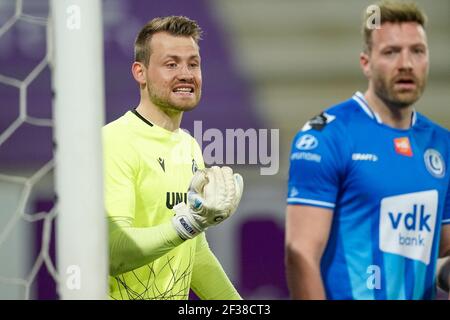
column 159, row 197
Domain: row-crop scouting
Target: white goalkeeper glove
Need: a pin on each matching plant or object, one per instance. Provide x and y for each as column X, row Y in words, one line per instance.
column 213, row 196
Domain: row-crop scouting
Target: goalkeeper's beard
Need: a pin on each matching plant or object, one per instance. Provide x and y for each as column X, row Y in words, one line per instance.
column 165, row 102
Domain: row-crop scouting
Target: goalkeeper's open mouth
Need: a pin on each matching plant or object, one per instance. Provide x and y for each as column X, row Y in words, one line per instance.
column 184, row 90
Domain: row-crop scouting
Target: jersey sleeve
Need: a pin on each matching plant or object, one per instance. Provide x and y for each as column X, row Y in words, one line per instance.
column 317, row 163
column 209, row 280
column 120, row 170
column 446, row 215
column 131, row 248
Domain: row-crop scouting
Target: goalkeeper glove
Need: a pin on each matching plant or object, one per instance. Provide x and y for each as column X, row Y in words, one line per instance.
column 213, row 196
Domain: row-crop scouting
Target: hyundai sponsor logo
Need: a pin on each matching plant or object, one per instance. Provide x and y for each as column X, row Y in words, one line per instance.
column 307, row 142
column 308, row 156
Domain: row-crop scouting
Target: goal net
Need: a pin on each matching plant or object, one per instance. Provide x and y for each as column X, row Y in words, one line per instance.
column 52, row 226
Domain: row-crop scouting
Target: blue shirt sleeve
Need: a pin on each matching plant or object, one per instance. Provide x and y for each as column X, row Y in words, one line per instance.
column 446, row 214
column 317, row 165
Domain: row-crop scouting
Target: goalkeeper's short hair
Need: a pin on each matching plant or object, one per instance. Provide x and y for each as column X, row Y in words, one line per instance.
column 174, row 25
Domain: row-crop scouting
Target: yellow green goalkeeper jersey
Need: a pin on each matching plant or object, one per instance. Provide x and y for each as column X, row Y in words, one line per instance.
column 147, row 171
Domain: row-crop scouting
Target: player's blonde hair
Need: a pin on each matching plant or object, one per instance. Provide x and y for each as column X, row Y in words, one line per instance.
column 395, row 12
column 174, row 25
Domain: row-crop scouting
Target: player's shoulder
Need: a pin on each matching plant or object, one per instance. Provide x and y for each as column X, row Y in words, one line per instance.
column 426, row 126
column 116, row 124
column 117, row 131
column 426, row 123
column 344, row 112
column 185, row 135
column 188, row 138
column 328, row 131
column 332, row 120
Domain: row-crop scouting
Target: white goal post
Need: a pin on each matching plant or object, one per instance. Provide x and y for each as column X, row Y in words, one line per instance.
column 78, row 107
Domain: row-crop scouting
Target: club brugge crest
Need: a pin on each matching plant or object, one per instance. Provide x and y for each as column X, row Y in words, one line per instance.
column 194, row 166
column 435, row 163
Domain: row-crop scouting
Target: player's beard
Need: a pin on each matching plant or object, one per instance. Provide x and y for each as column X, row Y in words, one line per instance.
column 385, row 89
column 164, row 100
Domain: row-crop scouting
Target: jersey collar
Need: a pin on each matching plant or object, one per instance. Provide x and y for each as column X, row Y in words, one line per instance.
column 362, row 102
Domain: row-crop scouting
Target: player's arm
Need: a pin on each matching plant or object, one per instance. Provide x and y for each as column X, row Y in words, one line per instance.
column 209, row 280
column 443, row 268
column 213, row 196
column 444, row 245
column 131, row 247
column 307, row 232
column 443, row 274
column 313, row 188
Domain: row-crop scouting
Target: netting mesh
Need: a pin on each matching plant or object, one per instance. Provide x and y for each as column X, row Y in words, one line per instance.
column 24, row 184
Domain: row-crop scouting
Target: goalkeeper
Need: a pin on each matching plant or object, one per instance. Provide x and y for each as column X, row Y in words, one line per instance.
column 159, row 197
